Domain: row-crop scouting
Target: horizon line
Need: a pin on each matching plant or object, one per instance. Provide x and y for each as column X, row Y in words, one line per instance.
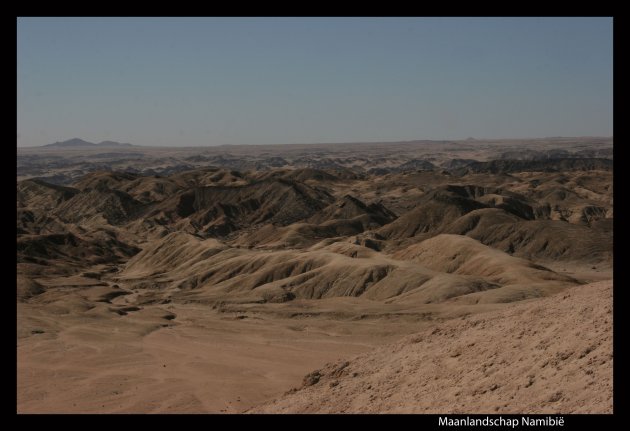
column 469, row 139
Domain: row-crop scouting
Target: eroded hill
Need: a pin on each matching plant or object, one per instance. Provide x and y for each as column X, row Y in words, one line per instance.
column 333, row 247
column 554, row 356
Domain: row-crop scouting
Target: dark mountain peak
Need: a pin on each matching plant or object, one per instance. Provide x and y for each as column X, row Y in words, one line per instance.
column 77, row 142
column 74, row 142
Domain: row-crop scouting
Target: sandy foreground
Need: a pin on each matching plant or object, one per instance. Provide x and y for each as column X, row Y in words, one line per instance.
column 551, row 355
column 538, row 356
column 205, row 363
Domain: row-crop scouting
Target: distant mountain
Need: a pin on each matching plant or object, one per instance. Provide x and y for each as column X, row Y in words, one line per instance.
column 76, row 142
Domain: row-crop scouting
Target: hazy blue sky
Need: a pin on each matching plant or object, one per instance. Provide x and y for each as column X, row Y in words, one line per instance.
column 213, row 81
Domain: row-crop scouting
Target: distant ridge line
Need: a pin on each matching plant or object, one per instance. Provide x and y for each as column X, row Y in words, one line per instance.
column 77, row 142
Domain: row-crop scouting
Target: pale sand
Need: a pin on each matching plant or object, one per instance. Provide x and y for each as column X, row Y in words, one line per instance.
column 538, row 356
column 206, row 363
column 551, row 355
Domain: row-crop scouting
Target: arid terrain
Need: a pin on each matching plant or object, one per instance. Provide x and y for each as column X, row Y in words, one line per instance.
column 409, row 277
column 552, row 355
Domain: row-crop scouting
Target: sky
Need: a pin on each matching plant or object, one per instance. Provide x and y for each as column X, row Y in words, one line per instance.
column 218, row 81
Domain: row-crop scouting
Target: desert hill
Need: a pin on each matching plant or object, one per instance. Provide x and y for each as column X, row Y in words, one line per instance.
column 522, row 215
column 546, row 165
column 459, row 367
column 213, row 279
column 193, row 268
column 42, row 195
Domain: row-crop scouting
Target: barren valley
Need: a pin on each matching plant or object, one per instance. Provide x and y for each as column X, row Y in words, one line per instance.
column 409, row 277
